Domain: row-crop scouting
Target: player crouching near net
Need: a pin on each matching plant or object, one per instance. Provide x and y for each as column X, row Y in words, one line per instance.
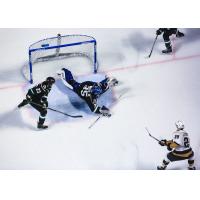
column 37, row 98
column 179, row 148
column 89, row 91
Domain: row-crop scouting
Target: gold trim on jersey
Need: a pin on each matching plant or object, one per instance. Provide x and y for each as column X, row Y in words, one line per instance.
column 172, row 144
column 183, row 154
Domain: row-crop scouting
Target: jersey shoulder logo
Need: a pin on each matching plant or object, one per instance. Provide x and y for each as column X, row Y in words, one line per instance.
column 176, row 136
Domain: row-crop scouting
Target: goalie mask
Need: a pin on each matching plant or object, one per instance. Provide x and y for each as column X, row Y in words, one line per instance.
column 179, row 125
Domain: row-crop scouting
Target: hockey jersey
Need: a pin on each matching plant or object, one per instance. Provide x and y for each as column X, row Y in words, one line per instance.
column 39, row 93
column 84, row 91
column 181, row 138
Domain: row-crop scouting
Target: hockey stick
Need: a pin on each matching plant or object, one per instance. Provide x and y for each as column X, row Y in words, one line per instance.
column 73, row 116
column 95, row 121
column 151, row 135
column 152, row 47
column 102, row 115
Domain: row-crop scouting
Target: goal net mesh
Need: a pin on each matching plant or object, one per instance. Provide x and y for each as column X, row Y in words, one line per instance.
column 76, row 52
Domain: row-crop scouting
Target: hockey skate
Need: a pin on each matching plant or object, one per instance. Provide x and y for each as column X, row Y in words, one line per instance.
column 42, row 126
column 161, row 167
column 191, row 168
column 166, row 51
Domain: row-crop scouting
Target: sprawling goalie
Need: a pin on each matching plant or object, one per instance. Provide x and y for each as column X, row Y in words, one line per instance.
column 89, row 91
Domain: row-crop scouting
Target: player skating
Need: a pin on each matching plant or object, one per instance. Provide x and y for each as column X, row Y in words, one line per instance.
column 179, row 148
column 89, row 91
column 167, row 32
column 37, row 98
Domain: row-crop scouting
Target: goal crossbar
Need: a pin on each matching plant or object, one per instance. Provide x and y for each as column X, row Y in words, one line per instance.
column 56, row 43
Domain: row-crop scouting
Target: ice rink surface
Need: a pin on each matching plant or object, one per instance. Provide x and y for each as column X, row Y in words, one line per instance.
column 157, row 92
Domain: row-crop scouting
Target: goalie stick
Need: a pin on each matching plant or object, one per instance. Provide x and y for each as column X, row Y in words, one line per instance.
column 151, row 135
column 73, row 116
column 99, row 117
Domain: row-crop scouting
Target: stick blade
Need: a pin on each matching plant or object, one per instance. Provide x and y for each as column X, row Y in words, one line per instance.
column 147, row 131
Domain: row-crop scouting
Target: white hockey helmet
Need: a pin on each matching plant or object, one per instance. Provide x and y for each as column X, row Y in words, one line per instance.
column 179, row 125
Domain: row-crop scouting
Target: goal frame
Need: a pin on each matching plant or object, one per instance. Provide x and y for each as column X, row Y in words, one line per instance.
column 44, row 48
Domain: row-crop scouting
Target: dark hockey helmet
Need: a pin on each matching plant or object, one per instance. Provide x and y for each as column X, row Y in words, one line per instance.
column 50, row 80
column 96, row 90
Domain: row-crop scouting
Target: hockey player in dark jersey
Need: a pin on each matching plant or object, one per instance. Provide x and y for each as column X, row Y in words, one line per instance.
column 37, row 98
column 89, row 91
column 167, row 32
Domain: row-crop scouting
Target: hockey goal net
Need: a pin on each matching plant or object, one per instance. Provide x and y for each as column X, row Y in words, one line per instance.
column 48, row 55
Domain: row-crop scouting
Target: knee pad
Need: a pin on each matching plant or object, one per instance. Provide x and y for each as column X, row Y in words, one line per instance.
column 43, row 113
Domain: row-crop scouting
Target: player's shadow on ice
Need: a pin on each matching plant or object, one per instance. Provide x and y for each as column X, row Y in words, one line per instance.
column 65, row 100
column 140, row 43
column 12, row 119
column 191, row 35
column 11, row 75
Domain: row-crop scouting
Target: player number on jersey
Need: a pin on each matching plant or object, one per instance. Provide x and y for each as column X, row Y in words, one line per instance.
column 186, row 142
column 85, row 92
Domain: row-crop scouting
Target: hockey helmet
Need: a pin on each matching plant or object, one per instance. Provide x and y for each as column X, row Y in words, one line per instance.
column 96, row 90
column 50, row 80
column 179, row 125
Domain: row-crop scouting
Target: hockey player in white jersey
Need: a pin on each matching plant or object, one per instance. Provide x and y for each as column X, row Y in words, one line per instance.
column 179, row 148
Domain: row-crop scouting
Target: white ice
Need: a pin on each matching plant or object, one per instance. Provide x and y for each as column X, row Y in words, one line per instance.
column 158, row 92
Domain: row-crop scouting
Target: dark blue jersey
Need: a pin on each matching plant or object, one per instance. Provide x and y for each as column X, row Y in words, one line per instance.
column 84, row 91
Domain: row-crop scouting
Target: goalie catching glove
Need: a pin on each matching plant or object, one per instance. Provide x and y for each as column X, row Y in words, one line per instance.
column 112, row 82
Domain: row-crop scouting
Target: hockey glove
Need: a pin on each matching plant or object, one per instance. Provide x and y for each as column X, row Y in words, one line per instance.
column 158, row 32
column 28, row 98
column 163, row 142
column 105, row 112
column 169, row 148
column 44, row 104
